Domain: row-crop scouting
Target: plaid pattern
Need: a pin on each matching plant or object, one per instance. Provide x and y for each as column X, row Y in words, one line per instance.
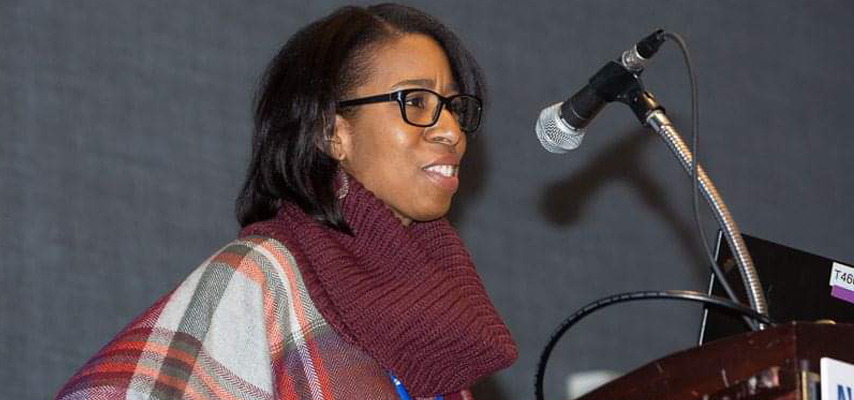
column 241, row 326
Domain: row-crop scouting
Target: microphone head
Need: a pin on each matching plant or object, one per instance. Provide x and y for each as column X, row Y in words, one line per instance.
column 554, row 133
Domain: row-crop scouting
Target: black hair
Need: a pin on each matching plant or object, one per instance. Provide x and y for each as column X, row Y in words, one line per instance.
column 296, row 103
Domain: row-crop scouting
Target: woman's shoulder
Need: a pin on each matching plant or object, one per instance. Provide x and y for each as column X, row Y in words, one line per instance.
column 234, row 316
column 254, row 263
column 255, row 280
column 253, row 271
column 254, row 250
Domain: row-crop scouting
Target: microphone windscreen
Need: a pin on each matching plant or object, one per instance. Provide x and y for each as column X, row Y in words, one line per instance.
column 554, row 133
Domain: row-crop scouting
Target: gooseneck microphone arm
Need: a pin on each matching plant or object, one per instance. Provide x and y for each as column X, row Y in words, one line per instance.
column 653, row 116
column 617, row 82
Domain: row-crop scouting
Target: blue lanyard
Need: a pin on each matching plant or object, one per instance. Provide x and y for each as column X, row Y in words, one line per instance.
column 401, row 391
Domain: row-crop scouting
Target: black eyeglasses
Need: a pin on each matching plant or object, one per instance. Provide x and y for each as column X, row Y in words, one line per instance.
column 422, row 107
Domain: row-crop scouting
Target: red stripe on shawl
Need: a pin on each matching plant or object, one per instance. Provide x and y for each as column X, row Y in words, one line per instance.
column 250, row 268
column 285, row 389
column 171, row 356
column 212, row 382
column 141, row 325
column 176, row 384
column 113, row 380
column 311, row 346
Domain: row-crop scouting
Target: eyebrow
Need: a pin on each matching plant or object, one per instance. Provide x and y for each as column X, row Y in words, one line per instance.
column 429, row 83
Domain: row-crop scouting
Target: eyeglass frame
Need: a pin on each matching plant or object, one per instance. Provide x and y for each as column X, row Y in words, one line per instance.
column 399, row 97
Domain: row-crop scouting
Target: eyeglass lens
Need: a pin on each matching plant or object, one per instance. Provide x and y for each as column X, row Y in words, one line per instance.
column 423, row 107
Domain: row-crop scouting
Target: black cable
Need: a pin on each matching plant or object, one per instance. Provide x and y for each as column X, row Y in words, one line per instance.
column 685, row 295
column 695, row 181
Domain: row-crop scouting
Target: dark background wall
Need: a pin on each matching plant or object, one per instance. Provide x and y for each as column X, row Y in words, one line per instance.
column 124, row 134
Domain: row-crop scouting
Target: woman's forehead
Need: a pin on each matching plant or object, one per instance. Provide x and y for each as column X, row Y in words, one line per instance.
column 413, row 60
column 449, row 87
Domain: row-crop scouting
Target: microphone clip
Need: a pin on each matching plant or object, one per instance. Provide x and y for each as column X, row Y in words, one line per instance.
column 613, row 82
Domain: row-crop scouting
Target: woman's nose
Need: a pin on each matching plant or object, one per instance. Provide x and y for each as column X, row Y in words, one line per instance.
column 446, row 130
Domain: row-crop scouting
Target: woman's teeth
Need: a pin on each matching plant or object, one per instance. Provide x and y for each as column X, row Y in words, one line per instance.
column 445, row 170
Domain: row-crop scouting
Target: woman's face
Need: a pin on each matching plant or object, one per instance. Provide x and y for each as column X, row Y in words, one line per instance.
column 413, row 170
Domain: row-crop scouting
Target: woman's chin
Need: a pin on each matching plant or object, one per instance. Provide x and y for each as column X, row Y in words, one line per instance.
column 430, row 208
column 433, row 214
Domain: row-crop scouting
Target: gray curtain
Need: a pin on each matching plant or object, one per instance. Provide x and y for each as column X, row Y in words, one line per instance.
column 125, row 135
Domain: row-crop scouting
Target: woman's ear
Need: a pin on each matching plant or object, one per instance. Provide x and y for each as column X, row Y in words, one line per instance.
column 341, row 142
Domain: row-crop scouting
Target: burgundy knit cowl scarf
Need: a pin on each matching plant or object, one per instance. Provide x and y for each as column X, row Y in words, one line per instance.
column 407, row 296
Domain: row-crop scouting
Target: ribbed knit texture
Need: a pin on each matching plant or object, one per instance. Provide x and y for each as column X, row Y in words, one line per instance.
column 408, row 296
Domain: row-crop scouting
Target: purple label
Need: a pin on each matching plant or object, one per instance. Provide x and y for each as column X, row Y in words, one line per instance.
column 842, row 294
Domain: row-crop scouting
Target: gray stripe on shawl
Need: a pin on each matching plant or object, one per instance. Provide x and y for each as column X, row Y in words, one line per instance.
column 313, row 318
column 197, row 318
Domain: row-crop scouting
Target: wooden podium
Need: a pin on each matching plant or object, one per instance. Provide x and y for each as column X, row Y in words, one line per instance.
column 777, row 363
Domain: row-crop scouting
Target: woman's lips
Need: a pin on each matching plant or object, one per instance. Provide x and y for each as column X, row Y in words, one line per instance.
column 444, row 176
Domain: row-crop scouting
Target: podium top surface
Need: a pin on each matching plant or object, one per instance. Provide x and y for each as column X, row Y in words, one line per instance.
column 722, row 365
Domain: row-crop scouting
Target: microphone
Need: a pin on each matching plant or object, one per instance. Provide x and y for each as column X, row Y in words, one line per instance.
column 560, row 126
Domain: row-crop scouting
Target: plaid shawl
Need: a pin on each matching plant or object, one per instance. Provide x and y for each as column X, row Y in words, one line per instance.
column 241, row 326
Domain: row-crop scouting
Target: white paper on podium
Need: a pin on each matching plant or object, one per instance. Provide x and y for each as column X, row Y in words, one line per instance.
column 837, row 380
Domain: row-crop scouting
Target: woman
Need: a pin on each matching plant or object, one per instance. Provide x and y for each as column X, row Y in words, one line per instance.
column 346, row 282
